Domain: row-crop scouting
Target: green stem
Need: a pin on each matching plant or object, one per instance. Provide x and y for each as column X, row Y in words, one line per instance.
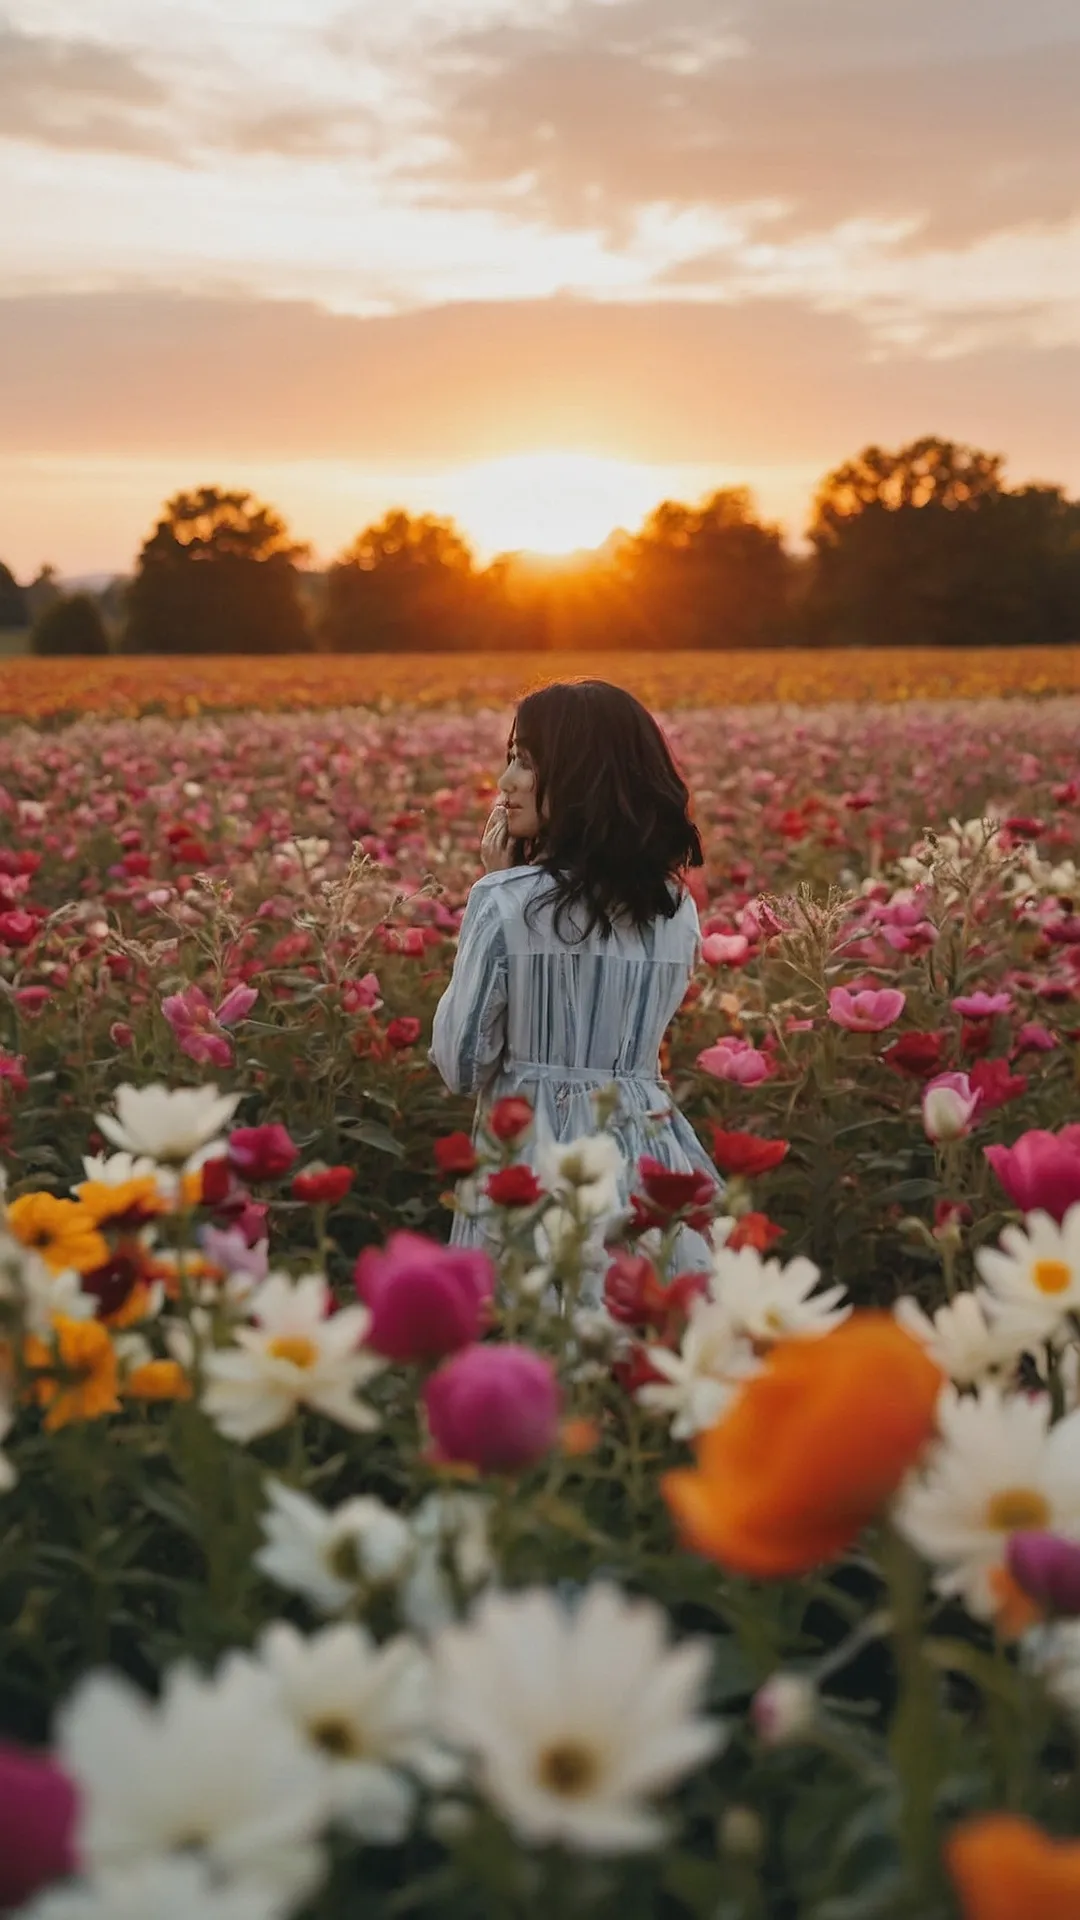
column 914, row 1739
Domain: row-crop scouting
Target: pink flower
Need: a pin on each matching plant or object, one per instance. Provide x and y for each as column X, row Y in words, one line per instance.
column 737, row 1060
column 948, row 1106
column 1040, row 1171
column 870, row 1011
column 199, row 1029
column 1032, row 1038
column 37, row 1825
column 724, row 949
column 31, row 999
column 262, row 1153
column 996, row 1083
column 1048, row 1570
column 426, row 1300
column 359, row 994
column 494, row 1407
column 236, row 1005
column 981, row 1006
column 17, row 929
column 13, row 1072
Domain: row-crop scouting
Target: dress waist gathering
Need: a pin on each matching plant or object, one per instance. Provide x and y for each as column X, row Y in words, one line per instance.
column 585, row 1076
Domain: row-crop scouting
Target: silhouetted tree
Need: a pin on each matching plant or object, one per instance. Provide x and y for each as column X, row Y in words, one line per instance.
column 217, row 575
column 70, row 625
column 43, row 591
column 928, row 547
column 711, row 575
column 407, row 582
column 13, row 608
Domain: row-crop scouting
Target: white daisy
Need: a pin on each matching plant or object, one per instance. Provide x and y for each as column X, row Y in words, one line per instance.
column 700, row 1379
column 38, row 1293
column 585, row 1171
column 1034, row 1275
column 116, row 1169
column 166, row 1889
column 768, row 1301
column 451, row 1558
column 997, row 1469
column 575, row 1720
column 366, row 1711
column 213, row 1769
column 963, row 1336
column 298, row 1354
column 330, row 1557
column 168, row 1123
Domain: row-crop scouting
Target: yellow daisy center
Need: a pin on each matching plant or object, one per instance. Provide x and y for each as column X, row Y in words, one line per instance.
column 1018, row 1510
column 1051, row 1276
column 294, row 1347
column 569, row 1768
column 337, row 1737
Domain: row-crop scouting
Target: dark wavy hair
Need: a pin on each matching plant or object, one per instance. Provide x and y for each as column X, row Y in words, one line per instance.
column 617, row 829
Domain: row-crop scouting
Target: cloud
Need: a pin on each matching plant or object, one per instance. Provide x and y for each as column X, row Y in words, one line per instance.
column 137, row 374
column 77, row 94
column 812, row 114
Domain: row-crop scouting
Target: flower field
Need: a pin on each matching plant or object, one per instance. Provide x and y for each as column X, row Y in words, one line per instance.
column 344, row 1573
column 43, row 690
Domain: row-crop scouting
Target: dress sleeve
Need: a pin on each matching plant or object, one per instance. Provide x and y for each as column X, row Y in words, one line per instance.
column 469, row 1031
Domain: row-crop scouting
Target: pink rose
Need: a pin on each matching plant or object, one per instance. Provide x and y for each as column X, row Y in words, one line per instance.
column 494, row 1407
column 426, row 1300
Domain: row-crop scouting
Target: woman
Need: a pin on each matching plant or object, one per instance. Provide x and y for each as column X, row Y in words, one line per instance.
column 576, row 946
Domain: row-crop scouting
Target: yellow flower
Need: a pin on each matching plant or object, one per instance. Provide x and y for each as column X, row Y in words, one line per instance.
column 128, row 1201
column 64, row 1233
column 83, row 1367
column 158, row 1380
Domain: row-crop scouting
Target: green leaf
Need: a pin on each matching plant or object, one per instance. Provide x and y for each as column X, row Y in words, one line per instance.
column 372, row 1133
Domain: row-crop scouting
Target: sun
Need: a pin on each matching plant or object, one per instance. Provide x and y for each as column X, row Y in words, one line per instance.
column 550, row 503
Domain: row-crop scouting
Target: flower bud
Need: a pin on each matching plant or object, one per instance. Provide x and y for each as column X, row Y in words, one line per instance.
column 783, row 1710
column 1048, row 1569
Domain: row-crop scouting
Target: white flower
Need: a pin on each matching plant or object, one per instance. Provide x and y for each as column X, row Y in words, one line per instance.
column 767, row 1301
column 116, row 1169
column 997, row 1469
column 366, row 1711
column 451, row 1555
column 39, row 1293
column 329, row 1556
column 1034, row 1275
column 702, row 1376
column 963, row 1337
column 299, row 1354
column 1053, row 1652
column 167, row 1889
column 585, row 1170
column 784, row 1709
column 575, row 1721
column 213, row 1769
column 168, row 1123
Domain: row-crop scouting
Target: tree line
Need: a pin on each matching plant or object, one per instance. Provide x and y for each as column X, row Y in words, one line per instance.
column 924, row 546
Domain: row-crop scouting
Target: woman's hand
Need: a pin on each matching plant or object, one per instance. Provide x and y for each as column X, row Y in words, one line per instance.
column 496, row 850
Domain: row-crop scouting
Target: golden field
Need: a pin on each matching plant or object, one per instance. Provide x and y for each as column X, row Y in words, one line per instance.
column 48, row 690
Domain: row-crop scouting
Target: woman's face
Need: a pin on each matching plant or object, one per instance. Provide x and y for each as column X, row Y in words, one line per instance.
column 518, row 788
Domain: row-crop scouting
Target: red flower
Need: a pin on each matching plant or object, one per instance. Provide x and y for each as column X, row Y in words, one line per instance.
column 746, row 1154
column 669, row 1195
column 404, row 1031
column 322, row 1186
column 513, row 1187
column 995, row 1082
column 17, row 929
column 919, row 1054
column 31, row 999
column 635, row 1371
column 13, row 1072
column 630, row 1286
column 455, row 1153
column 509, row 1117
column 216, row 1181
column 261, row 1153
column 975, row 1036
column 754, row 1230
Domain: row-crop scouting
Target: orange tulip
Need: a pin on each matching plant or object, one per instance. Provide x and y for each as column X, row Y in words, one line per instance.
column 1005, row 1868
column 809, row 1450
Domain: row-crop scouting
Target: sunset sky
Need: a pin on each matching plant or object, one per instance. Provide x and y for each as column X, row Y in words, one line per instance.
column 388, row 253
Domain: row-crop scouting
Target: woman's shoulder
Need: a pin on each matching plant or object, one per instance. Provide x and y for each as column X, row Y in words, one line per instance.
column 504, row 876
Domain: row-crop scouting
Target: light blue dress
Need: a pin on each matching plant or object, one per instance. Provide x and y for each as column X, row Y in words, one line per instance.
column 529, row 1013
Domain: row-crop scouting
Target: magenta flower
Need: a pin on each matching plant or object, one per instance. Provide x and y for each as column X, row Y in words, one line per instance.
column 1033, row 1038
column 1047, row 1568
column 1040, row 1171
column 494, row 1407
column 724, row 949
column 199, row 1030
column 981, row 1006
column 870, row 1011
column 262, row 1153
column 426, row 1300
column 37, row 1825
column 737, row 1060
column 949, row 1104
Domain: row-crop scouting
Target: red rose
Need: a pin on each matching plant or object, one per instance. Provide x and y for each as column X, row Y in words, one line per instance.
column 630, row 1285
column 509, row 1117
column 322, row 1186
column 669, row 1195
column 404, row 1031
column 513, row 1187
column 261, row 1153
column 746, row 1154
column 455, row 1153
column 17, row 929
column 216, row 1181
column 919, row 1054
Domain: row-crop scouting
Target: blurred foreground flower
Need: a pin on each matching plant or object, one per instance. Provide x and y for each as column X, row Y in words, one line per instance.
column 494, row 1407
column 168, row 1123
column 37, row 1824
column 1040, row 1171
column 297, row 1354
column 810, row 1450
column 425, row 1300
column 1047, row 1568
column 330, row 1557
column 576, row 1720
column 1005, row 1868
